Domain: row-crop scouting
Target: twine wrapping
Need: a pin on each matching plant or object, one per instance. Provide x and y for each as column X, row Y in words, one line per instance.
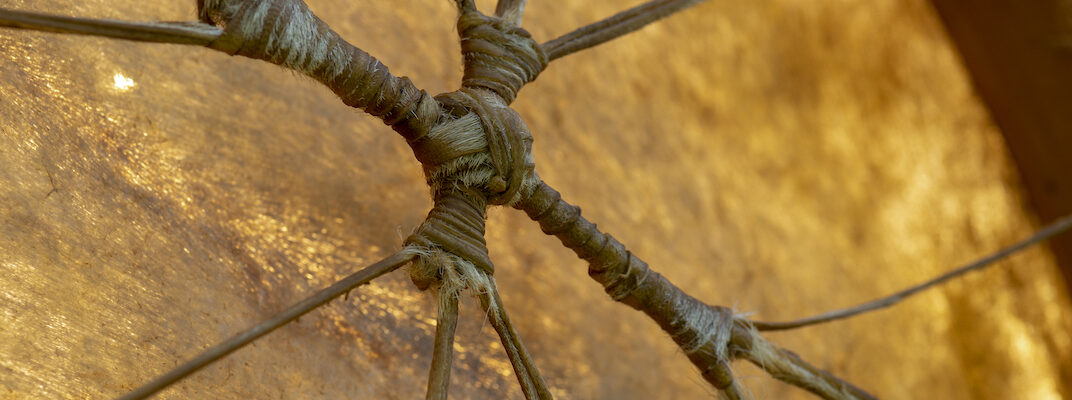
column 287, row 33
column 479, row 152
column 475, row 150
column 498, row 56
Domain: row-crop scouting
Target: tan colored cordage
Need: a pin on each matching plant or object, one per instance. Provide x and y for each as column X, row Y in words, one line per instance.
column 476, row 151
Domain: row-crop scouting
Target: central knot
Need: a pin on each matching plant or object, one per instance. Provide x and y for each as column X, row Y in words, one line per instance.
column 479, row 152
column 479, row 143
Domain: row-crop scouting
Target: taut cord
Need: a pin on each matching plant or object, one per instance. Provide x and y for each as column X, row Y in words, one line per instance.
column 476, row 152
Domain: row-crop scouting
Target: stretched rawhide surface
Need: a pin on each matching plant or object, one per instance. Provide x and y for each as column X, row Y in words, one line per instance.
column 784, row 158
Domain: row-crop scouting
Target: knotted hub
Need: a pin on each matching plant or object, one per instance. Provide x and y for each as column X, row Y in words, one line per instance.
column 475, row 150
column 479, row 153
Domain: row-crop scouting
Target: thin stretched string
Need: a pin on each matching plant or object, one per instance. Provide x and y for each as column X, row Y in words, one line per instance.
column 1061, row 225
column 613, row 27
column 453, row 274
column 191, row 33
column 532, row 383
column 787, row 367
column 246, row 337
column 510, row 11
column 443, row 352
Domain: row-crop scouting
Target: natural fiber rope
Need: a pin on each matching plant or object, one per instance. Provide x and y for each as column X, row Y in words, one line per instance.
column 692, row 324
column 287, row 33
column 613, row 27
column 498, row 56
column 479, row 152
column 476, row 152
column 508, row 141
column 710, row 336
column 455, row 225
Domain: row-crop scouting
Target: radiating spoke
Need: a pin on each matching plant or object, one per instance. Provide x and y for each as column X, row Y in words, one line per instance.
column 1059, row 226
column 248, row 336
column 532, row 383
column 193, row 33
column 510, row 11
column 443, row 353
column 465, row 4
column 613, row 27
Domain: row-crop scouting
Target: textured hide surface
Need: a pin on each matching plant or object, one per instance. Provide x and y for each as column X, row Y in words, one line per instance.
column 782, row 157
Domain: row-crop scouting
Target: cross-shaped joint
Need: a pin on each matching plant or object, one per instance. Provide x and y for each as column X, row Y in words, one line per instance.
column 475, row 150
column 480, row 150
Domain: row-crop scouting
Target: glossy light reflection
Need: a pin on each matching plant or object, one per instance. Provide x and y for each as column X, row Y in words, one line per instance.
column 122, row 83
